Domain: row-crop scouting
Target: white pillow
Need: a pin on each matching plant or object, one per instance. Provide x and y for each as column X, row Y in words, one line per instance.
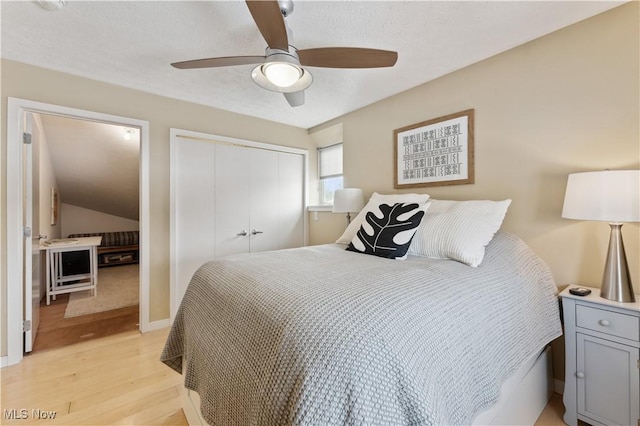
column 372, row 206
column 458, row 230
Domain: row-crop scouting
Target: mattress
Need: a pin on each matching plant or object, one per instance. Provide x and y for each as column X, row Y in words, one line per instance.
column 319, row 335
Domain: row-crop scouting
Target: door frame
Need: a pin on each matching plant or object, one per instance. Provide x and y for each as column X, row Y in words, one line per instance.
column 15, row 292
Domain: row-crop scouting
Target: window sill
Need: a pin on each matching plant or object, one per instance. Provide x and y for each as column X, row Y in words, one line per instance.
column 320, row 208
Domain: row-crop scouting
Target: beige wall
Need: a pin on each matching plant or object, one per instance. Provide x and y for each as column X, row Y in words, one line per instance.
column 326, row 227
column 37, row 84
column 78, row 220
column 564, row 103
column 567, row 102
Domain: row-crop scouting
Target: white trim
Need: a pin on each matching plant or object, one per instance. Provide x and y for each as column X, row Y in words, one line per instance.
column 15, row 110
column 144, row 257
column 157, row 325
column 206, row 137
column 4, row 361
column 175, row 136
column 15, row 291
column 173, row 140
column 320, row 208
column 558, row 386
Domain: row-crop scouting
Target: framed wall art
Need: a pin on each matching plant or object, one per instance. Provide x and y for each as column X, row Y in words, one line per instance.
column 435, row 152
column 54, row 206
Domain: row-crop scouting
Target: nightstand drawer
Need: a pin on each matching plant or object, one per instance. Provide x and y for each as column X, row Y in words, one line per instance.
column 614, row 323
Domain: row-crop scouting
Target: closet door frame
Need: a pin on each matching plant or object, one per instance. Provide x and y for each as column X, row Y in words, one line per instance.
column 175, row 136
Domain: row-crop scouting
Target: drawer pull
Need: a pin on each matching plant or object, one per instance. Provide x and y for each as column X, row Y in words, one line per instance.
column 604, row 323
column 580, row 375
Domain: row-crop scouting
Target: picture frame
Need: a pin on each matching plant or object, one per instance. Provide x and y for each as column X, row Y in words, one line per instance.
column 54, row 206
column 435, row 152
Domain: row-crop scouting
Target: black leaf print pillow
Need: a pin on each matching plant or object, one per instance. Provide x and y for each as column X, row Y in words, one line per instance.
column 390, row 235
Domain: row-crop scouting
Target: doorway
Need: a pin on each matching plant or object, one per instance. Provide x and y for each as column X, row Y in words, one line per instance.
column 93, row 170
column 17, row 109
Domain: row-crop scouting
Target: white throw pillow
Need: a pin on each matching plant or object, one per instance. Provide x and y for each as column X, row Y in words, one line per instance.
column 458, row 230
column 372, row 206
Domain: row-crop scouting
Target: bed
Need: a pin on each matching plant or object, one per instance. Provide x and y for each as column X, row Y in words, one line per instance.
column 325, row 336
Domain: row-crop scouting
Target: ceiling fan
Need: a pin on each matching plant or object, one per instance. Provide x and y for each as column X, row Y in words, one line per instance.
column 281, row 68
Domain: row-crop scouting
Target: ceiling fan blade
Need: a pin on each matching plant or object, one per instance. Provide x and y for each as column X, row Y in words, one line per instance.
column 347, row 57
column 295, row 99
column 218, row 62
column 268, row 18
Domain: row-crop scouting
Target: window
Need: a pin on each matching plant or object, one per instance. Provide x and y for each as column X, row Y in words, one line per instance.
column 329, row 171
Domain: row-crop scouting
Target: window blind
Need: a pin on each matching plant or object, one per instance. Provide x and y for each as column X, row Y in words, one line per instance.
column 330, row 161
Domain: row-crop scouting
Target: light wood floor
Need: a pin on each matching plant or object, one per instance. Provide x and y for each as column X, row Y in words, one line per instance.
column 115, row 380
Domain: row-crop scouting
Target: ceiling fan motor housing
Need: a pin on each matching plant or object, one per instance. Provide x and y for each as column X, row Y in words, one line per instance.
column 286, row 7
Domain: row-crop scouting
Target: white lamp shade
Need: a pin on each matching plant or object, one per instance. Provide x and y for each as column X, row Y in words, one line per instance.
column 347, row 200
column 609, row 196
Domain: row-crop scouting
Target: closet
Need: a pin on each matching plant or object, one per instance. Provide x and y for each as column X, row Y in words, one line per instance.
column 228, row 197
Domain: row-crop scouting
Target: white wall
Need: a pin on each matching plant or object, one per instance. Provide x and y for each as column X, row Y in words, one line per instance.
column 43, row 172
column 78, row 220
column 47, row 180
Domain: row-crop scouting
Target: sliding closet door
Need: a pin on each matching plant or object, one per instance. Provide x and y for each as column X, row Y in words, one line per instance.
column 193, row 175
column 264, row 200
column 290, row 200
column 230, row 196
column 233, row 169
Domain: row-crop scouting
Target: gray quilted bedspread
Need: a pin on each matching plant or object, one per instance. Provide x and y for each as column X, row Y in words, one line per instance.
column 323, row 336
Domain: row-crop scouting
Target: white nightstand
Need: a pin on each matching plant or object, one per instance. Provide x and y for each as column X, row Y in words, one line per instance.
column 602, row 344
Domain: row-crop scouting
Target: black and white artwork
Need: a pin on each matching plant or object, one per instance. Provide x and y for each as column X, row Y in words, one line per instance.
column 435, row 152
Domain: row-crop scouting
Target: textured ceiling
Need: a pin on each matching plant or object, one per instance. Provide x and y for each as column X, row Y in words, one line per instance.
column 132, row 44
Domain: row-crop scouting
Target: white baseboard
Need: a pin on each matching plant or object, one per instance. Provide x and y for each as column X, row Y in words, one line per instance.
column 156, row 325
column 4, row 361
column 558, row 386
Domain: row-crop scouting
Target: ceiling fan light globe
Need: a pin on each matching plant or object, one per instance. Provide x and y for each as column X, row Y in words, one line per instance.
column 261, row 80
column 282, row 74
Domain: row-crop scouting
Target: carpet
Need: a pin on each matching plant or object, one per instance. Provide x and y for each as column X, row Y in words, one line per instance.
column 118, row 287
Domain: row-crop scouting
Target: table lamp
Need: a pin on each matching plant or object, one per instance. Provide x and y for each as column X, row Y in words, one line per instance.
column 609, row 196
column 347, row 200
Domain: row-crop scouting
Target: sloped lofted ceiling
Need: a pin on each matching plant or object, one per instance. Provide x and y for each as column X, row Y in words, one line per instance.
column 95, row 166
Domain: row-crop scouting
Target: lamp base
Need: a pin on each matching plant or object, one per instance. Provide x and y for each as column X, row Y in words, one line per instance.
column 616, row 280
